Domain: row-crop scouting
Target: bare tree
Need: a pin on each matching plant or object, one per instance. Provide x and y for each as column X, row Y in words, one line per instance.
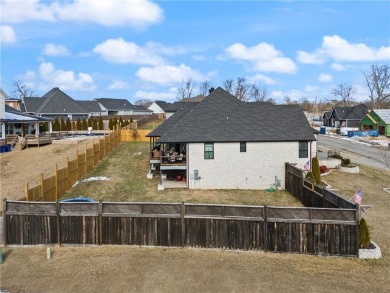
column 185, row 90
column 378, row 83
column 204, row 87
column 258, row 94
column 143, row 102
column 345, row 92
column 21, row 90
column 228, row 84
column 241, row 89
column 289, row 101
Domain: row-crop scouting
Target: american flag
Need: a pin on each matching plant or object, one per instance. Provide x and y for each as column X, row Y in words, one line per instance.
column 357, row 198
column 307, row 166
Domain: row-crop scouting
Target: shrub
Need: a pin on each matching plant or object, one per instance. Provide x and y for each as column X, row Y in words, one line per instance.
column 84, row 124
column 62, row 125
column 316, row 170
column 110, row 124
column 323, row 169
column 101, row 126
column 68, row 125
column 309, row 175
column 345, row 162
column 78, row 124
column 364, row 234
column 95, row 124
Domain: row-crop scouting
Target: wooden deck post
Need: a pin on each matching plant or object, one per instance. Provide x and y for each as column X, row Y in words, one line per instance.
column 265, row 228
column 26, row 191
column 58, row 212
column 100, row 222
column 357, row 229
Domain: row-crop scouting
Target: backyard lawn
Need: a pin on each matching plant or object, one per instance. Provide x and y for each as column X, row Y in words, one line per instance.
column 126, row 168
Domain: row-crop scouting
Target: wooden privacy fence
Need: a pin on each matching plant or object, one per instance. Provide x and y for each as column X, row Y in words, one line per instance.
column 134, row 135
column 276, row 229
column 310, row 194
column 52, row 188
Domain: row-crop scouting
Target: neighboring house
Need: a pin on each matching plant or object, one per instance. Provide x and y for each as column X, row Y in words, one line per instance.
column 55, row 104
column 121, row 107
column 197, row 99
column 348, row 116
column 176, row 106
column 326, row 119
column 378, row 119
column 14, row 122
column 93, row 108
column 224, row 143
column 159, row 107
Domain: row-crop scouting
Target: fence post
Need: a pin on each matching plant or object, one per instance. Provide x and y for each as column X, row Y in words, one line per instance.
column 26, row 191
column 4, row 222
column 265, row 232
column 41, row 189
column 67, row 174
column 56, row 181
column 77, row 163
column 58, row 211
column 86, row 158
column 357, row 229
column 100, row 222
column 183, row 232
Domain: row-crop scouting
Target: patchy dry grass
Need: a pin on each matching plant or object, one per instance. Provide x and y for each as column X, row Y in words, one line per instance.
column 139, row 269
column 127, row 167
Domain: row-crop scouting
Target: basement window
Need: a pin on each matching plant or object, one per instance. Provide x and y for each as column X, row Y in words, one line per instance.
column 242, row 147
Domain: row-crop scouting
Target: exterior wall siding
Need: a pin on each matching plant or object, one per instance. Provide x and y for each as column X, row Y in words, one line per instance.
column 156, row 109
column 230, row 169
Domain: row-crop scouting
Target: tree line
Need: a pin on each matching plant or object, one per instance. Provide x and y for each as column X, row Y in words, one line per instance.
column 83, row 124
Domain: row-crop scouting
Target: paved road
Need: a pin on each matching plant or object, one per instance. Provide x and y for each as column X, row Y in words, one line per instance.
column 358, row 153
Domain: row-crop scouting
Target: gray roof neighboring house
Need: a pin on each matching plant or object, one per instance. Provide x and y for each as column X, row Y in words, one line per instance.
column 221, row 117
column 350, row 113
column 162, row 104
column 53, row 102
column 384, row 114
column 327, row 114
column 115, row 104
column 91, row 106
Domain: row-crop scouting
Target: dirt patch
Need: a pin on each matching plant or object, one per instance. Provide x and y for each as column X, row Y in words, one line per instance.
column 21, row 166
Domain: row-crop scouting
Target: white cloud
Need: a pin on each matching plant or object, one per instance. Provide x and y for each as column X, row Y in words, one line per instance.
column 118, row 85
column 170, row 95
column 120, row 51
column 264, row 56
column 261, row 78
column 310, row 58
column 311, row 89
column 323, row 77
column 47, row 76
column 7, row 34
column 166, row 74
column 293, row 94
column 137, row 14
column 339, row 49
column 112, row 13
column 55, row 50
column 337, row 66
column 22, row 11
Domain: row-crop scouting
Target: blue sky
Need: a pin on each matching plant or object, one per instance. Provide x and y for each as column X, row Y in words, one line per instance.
column 144, row 49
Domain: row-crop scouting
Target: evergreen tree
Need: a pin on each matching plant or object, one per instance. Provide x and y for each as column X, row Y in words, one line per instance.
column 94, row 124
column 56, row 125
column 78, row 124
column 120, row 121
column 316, row 170
column 101, row 125
column 68, row 125
column 131, row 120
column 115, row 122
column 84, row 124
column 62, row 125
column 110, row 124
column 89, row 122
column 364, row 234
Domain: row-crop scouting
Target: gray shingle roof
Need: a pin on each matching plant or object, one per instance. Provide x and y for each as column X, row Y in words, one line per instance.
column 53, row 102
column 384, row 114
column 221, row 117
column 179, row 105
column 90, row 106
column 351, row 113
column 116, row 104
column 162, row 104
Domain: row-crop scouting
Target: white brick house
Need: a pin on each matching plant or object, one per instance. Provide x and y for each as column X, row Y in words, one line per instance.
column 224, row 143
